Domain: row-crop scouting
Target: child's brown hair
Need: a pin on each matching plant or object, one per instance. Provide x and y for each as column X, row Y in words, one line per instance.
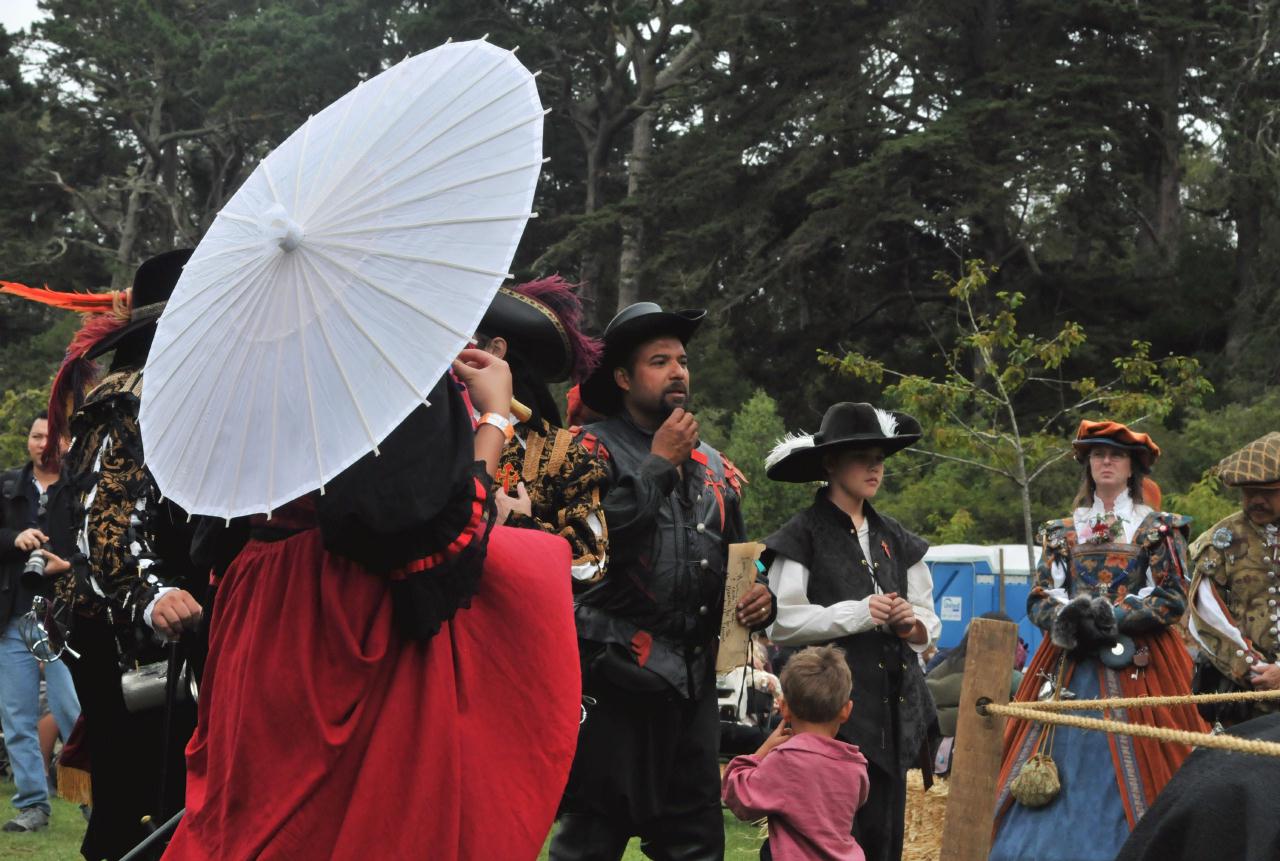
column 816, row 683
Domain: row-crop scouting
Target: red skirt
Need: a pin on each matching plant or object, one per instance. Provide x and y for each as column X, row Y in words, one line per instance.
column 323, row 734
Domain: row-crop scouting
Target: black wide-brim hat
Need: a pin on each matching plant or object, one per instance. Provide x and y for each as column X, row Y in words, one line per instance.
column 153, row 284
column 844, row 425
column 632, row 326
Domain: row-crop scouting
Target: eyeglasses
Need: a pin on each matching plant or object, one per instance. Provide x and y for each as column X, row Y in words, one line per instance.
column 1104, row 453
column 34, row 631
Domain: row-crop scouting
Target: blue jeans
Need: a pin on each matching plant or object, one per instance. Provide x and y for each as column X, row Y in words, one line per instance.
column 20, row 711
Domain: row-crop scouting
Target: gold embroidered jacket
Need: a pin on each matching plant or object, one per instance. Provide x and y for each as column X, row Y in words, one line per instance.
column 566, row 485
column 1235, row 616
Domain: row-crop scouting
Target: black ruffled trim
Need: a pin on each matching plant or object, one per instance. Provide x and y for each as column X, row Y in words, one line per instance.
column 425, row 600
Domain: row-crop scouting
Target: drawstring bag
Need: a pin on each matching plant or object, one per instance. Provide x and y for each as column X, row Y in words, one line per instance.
column 1037, row 782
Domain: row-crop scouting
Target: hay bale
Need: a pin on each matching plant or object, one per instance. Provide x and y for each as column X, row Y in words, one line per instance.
column 925, row 814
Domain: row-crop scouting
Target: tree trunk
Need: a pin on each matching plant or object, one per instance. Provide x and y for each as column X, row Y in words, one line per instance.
column 1164, row 169
column 592, row 267
column 632, row 254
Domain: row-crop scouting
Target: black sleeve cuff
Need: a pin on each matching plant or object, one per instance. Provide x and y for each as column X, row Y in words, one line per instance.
column 661, row 472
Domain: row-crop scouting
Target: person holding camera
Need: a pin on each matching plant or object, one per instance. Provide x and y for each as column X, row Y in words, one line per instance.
column 24, row 562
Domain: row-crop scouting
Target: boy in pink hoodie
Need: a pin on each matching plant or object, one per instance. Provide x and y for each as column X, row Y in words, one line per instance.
column 808, row 783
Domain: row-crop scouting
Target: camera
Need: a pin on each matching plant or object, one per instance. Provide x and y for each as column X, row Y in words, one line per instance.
column 35, row 563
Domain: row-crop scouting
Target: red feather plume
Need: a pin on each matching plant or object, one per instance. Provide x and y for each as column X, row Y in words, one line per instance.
column 560, row 296
column 74, row 376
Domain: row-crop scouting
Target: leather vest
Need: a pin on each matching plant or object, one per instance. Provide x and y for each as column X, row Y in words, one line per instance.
column 662, row 596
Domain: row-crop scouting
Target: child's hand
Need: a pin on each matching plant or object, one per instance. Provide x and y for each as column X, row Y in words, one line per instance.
column 777, row 737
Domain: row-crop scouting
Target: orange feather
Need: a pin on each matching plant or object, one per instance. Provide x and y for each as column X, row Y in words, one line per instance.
column 85, row 303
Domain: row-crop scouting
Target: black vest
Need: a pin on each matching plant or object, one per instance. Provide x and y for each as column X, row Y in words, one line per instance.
column 893, row 712
column 671, row 586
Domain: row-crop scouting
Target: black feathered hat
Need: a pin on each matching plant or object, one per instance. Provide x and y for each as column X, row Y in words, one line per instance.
column 798, row 457
column 153, row 284
column 542, row 323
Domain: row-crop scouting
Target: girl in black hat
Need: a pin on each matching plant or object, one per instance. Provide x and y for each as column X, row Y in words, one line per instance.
column 846, row 574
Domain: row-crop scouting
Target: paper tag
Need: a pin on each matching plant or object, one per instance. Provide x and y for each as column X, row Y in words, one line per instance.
column 738, row 580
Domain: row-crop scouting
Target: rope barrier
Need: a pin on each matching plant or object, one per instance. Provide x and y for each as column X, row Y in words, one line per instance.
column 1115, row 727
column 1149, row 702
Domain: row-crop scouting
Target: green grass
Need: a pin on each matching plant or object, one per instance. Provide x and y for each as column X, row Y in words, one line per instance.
column 66, row 829
column 741, row 842
column 60, row 843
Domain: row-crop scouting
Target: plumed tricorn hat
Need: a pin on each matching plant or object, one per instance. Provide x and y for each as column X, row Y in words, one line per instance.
column 1115, row 435
column 1256, row 464
column 153, row 284
column 542, row 324
column 632, row 326
column 798, row 458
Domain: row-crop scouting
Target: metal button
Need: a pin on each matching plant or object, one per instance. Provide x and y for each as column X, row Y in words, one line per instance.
column 702, row 611
column 697, row 650
column 701, row 527
column 1271, row 602
column 902, row 699
column 705, row 563
column 1239, row 653
column 882, row 665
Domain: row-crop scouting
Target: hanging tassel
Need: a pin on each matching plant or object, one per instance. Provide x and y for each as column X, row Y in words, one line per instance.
column 75, row 785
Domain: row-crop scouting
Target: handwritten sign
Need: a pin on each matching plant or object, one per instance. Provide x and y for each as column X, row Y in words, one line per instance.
column 738, row 580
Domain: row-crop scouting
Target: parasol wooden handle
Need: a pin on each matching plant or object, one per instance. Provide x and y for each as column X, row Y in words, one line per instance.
column 520, row 411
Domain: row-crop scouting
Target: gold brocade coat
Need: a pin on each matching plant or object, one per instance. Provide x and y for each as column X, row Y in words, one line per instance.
column 566, row 485
column 1235, row 605
column 104, row 472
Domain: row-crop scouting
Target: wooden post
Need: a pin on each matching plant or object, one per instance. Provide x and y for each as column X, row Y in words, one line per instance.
column 975, row 763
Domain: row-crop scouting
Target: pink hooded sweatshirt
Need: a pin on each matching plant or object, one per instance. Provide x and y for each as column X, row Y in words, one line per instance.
column 810, row 786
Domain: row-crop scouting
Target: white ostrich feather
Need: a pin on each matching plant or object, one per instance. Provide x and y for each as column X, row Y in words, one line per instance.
column 785, row 446
column 888, row 424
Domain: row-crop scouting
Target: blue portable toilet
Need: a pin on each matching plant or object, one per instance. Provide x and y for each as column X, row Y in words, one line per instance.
column 966, row 581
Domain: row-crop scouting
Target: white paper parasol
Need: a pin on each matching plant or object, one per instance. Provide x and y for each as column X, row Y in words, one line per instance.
column 340, row 281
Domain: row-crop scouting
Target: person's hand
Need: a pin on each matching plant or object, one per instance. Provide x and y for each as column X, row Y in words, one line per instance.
column 880, row 606
column 54, row 564
column 676, row 438
column 754, row 607
column 175, row 612
column 1265, row 677
column 506, row 503
column 488, row 380
column 902, row 617
column 777, row 737
column 30, row 539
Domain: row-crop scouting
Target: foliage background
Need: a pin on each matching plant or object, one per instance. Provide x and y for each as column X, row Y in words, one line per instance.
column 802, row 170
